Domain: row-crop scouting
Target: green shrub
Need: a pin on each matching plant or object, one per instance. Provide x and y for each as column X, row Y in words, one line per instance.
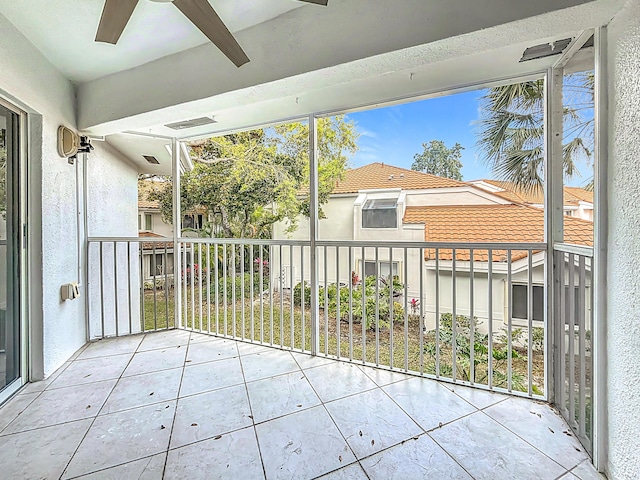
column 229, row 280
column 480, row 343
column 330, row 303
column 297, row 294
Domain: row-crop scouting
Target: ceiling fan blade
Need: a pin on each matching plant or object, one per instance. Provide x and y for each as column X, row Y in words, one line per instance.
column 317, row 2
column 203, row 16
column 115, row 15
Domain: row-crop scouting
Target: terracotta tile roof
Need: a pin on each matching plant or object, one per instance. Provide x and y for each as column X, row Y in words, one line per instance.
column 490, row 223
column 158, row 245
column 148, row 204
column 572, row 195
column 580, row 193
column 379, row 175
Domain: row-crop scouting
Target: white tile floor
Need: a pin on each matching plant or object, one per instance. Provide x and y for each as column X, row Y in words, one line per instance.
column 176, row 405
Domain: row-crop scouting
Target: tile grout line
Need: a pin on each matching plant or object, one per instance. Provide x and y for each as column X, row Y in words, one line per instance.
column 530, row 444
column 96, row 417
column 175, row 410
column 449, row 454
column 426, row 432
column 253, row 420
column 322, row 403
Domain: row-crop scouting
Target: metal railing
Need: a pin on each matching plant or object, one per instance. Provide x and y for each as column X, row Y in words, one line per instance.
column 573, row 333
column 126, row 294
column 386, row 304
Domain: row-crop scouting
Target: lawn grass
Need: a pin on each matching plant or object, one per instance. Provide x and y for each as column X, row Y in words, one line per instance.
column 290, row 327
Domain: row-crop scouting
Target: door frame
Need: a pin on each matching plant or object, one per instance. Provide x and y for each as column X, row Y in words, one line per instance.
column 23, row 304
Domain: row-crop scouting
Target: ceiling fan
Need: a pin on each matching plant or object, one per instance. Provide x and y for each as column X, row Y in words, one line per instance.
column 117, row 13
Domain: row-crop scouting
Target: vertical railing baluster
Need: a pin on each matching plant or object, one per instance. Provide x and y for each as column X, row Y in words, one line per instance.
column 490, row 318
column 208, row 288
column 472, row 325
column 454, row 319
column 102, row 290
column 377, row 275
column 193, row 286
column 582, row 413
column 326, row 302
column 233, row 292
column 242, row 293
column 406, row 311
column 421, row 322
column 224, row 289
column 561, row 320
column 252, row 289
column 571, row 376
column 437, row 313
column 200, row 273
column 270, row 296
column 154, row 266
column 350, row 261
column 302, row 299
column 141, row 263
column 129, row 294
column 216, row 279
column 282, row 298
column 509, row 324
column 115, row 287
column 391, row 307
column 260, row 292
column 165, row 267
column 338, row 353
column 530, row 321
column 183, row 282
column 292, row 299
column 363, row 322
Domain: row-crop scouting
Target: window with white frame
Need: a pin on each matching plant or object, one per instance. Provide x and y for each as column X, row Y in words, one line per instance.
column 380, row 213
column 145, row 222
column 381, row 271
column 520, row 302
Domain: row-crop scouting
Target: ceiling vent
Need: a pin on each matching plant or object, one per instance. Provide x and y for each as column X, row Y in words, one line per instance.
column 151, row 159
column 545, row 50
column 194, row 122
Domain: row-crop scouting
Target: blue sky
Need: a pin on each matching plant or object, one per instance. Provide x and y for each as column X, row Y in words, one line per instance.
column 395, row 134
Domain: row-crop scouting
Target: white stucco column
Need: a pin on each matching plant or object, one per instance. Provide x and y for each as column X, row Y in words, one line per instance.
column 623, row 277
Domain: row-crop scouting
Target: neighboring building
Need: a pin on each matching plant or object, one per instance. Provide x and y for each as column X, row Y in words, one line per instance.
column 157, row 258
column 380, row 202
column 578, row 202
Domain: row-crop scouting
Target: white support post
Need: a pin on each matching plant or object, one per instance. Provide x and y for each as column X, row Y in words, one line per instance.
column 599, row 274
column 554, row 221
column 313, row 233
column 177, row 220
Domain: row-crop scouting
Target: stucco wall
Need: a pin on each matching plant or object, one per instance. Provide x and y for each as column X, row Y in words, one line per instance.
column 112, row 186
column 623, row 322
column 28, row 80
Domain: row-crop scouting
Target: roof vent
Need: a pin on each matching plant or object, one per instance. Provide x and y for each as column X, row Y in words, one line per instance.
column 545, row 50
column 390, row 177
column 194, row 122
column 151, row 159
column 402, row 175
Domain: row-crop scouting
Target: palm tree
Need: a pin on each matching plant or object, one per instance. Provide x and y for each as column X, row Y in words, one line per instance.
column 511, row 129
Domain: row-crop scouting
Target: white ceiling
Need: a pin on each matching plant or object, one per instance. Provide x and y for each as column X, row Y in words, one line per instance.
column 64, row 31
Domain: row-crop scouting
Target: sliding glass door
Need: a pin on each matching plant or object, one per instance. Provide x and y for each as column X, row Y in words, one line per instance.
column 10, row 250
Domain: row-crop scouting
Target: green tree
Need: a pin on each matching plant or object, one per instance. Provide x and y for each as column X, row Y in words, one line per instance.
column 250, row 180
column 439, row 160
column 511, row 129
